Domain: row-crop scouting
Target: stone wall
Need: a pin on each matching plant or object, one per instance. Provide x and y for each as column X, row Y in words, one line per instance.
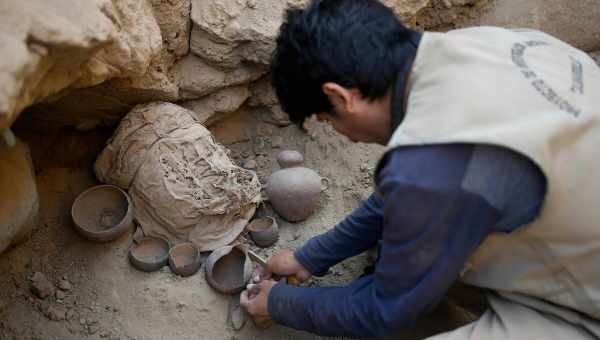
column 86, row 63
column 19, row 200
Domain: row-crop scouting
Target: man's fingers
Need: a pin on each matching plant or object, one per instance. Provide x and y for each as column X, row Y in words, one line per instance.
column 244, row 300
column 303, row 275
column 253, row 290
column 265, row 274
column 264, row 283
column 257, row 274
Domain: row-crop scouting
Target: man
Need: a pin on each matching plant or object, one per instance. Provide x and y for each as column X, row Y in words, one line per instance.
column 493, row 138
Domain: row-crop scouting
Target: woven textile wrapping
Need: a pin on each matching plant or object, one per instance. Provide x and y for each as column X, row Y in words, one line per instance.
column 182, row 183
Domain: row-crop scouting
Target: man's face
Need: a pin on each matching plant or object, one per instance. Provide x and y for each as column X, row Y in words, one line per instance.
column 368, row 122
column 356, row 117
column 347, row 125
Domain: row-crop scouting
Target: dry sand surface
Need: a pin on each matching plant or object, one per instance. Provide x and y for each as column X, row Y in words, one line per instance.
column 110, row 299
column 102, row 296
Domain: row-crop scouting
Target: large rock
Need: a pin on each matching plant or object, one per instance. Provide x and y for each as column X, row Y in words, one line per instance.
column 44, row 46
column 48, row 47
column 105, row 103
column 227, row 32
column 263, row 95
column 183, row 185
column 174, row 21
column 135, row 42
column 19, row 200
column 574, row 21
column 198, row 78
column 218, row 105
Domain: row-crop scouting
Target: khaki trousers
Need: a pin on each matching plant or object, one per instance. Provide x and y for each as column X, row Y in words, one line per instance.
column 512, row 317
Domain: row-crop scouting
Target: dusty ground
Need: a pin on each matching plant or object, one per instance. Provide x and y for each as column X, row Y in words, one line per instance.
column 110, row 299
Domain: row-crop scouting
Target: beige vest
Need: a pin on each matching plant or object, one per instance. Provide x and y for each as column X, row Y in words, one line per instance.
column 534, row 94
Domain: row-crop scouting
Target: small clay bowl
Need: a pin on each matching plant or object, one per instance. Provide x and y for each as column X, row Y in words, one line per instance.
column 184, row 259
column 102, row 213
column 228, row 269
column 264, row 231
column 149, row 254
column 289, row 159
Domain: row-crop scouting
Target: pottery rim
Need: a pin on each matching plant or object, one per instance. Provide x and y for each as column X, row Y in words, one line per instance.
column 109, row 234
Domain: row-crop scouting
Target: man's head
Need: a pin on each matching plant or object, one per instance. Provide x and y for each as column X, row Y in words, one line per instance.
column 338, row 59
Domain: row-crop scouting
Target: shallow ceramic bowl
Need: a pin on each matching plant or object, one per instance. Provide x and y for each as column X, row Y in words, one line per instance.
column 228, row 269
column 264, row 231
column 149, row 254
column 102, row 213
column 184, row 259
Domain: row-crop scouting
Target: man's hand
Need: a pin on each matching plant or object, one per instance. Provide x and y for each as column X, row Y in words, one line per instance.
column 284, row 263
column 254, row 299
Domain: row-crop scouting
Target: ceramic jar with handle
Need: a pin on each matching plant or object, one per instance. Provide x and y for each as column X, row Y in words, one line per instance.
column 294, row 191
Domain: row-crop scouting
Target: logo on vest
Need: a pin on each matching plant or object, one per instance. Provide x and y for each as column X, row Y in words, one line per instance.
column 542, row 87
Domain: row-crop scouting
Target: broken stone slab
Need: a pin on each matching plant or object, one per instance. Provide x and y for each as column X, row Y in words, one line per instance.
column 197, row 78
column 229, row 32
column 217, row 105
column 263, row 93
column 41, row 286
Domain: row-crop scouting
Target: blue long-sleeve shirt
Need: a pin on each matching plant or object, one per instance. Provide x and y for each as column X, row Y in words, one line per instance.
column 435, row 206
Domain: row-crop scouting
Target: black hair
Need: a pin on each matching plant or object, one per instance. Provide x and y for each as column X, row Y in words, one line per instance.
column 349, row 42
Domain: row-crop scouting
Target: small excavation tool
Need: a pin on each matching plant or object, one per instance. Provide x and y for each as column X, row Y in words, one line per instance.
column 290, row 279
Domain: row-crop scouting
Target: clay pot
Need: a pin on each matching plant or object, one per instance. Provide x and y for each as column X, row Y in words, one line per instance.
column 228, row 269
column 289, row 159
column 149, row 254
column 102, row 213
column 264, row 231
column 294, row 192
column 184, row 259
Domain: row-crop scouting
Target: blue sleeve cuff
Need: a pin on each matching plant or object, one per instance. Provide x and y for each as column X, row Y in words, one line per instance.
column 281, row 302
column 303, row 257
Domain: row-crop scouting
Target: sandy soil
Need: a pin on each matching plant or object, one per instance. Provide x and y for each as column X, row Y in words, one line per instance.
column 110, row 299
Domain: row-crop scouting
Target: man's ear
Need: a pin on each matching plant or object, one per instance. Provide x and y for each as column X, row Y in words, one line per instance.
column 339, row 96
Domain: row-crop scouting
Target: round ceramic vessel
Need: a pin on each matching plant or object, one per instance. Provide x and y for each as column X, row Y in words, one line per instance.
column 184, row 259
column 289, row 159
column 102, row 213
column 294, row 192
column 149, row 254
column 264, row 231
column 228, row 269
